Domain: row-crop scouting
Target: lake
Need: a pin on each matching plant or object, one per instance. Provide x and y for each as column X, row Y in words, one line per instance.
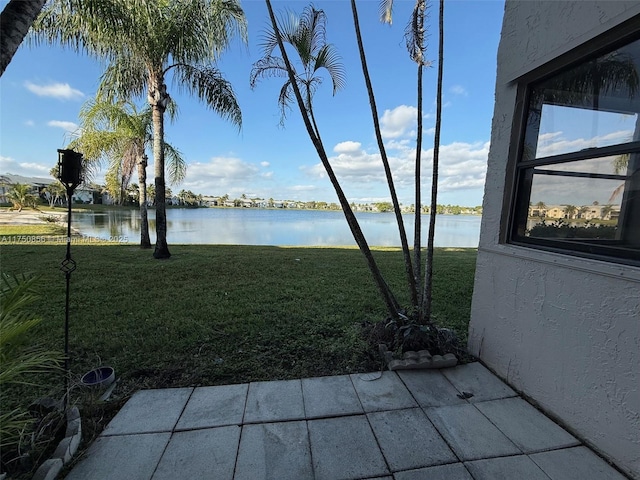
column 283, row 227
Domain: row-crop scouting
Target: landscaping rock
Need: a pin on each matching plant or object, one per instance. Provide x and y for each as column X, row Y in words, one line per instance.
column 423, row 359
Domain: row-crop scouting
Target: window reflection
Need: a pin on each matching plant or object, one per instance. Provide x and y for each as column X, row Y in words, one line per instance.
column 592, row 105
column 579, row 190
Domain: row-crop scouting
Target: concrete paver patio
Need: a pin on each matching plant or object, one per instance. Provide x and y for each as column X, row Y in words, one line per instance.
column 407, row 425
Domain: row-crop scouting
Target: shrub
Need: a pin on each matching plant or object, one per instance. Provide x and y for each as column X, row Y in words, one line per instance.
column 18, row 359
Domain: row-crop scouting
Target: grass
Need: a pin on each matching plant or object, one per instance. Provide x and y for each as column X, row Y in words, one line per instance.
column 215, row 315
column 224, row 314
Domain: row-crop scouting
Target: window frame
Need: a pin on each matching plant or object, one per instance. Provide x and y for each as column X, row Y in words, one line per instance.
column 518, row 186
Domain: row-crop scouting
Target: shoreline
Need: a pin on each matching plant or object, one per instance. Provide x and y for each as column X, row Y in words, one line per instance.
column 25, row 217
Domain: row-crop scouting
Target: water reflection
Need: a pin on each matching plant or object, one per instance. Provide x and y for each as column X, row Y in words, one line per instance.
column 273, row 227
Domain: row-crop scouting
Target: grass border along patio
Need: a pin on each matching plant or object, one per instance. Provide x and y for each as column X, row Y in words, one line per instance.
column 218, row 314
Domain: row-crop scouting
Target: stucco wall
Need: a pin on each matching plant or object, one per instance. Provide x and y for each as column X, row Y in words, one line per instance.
column 563, row 330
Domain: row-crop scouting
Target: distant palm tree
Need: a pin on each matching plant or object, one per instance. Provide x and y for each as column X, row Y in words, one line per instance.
column 21, row 196
column 54, row 191
column 582, row 210
column 570, row 211
column 606, row 211
column 142, row 42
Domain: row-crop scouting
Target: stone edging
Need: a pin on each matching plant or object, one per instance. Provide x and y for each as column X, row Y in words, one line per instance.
column 417, row 360
column 66, row 448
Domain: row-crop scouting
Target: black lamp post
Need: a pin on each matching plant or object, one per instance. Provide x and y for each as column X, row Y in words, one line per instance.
column 70, row 175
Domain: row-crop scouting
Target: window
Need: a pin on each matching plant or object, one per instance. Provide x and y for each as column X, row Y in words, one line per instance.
column 577, row 178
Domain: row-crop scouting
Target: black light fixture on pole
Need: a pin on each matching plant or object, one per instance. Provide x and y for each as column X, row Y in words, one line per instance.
column 70, row 175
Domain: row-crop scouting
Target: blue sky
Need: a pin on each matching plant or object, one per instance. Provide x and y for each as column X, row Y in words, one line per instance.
column 44, row 87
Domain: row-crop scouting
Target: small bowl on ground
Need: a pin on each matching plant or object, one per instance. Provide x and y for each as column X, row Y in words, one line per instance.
column 99, row 377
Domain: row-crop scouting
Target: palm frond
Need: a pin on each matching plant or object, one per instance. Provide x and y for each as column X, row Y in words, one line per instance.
column 385, row 11
column 201, row 30
column 267, row 67
column 285, row 99
column 414, row 34
column 123, row 79
column 211, row 87
column 175, row 164
column 328, row 58
column 307, row 36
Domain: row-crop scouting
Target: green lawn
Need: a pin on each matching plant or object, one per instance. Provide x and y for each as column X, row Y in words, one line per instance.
column 220, row 314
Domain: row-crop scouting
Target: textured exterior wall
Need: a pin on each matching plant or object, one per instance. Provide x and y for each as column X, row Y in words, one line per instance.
column 563, row 330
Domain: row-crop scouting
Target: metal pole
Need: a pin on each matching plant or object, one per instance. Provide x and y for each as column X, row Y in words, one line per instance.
column 68, row 266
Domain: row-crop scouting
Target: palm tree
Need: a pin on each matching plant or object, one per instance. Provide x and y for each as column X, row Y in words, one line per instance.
column 415, row 43
column 143, row 41
column 606, row 211
column 570, row 211
column 582, row 210
column 428, row 275
column 119, row 133
column 15, row 21
column 411, row 280
column 21, row 196
column 306, row 36
column 54, row 191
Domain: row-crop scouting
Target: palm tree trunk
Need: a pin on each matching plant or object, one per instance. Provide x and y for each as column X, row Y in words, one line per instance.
column 428, row 287
column 387, row 296
column 411, row 281
column 417, row 221
column 162, row 249
column 15, row 21
column 145, row 240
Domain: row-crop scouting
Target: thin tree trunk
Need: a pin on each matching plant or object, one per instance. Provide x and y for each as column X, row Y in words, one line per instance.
column 387, row 295
column 428, row 287
column 162, row 249
column 15, row 21
column 411, row 281
column 417, row 221
column 145, row 240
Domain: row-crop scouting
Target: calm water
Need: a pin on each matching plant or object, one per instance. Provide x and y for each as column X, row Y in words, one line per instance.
column 273, row 227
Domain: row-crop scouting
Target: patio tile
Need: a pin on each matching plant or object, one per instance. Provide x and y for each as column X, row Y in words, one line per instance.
column 477, row 379
column 149, row 411
column 122, row 456
column 525, row 426
column 430, row 388
column 345, row 448
column 575, row 463
column 453, row 471
column 214, row 407
column 506, row 468
column 274, row 401
column 409, row 440
column 386, row 393
column 274, row 450
column 207, row 453
column 471, row 435
column 330, row 396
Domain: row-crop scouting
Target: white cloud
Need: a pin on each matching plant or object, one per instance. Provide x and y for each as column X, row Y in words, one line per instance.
column 26, row 169
column 62, row 91
column 303, row 188
column 462, row 166
column 458, row 90
column 265, row 164
column 347, row 147
column 67, row 126
column 398, row 122
column 222, row 175
column 30, row 123
column 554, row 143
